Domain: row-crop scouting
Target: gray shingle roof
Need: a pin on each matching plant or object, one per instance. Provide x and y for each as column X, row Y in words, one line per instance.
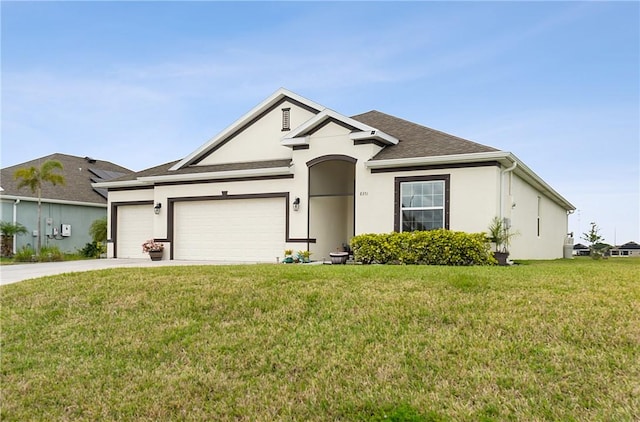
column 163, row 169
column 417, row 140
column 79, row 173
column 629, row 245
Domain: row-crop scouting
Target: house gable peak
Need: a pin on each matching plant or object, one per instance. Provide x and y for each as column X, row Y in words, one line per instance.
column 246, row 120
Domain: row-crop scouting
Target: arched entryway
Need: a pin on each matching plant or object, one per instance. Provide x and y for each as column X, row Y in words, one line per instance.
column 331, row 203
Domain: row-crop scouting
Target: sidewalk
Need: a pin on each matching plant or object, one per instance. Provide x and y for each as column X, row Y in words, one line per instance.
column 19, row 272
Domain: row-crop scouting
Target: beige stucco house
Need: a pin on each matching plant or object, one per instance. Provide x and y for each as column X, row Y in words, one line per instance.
column 293, row 174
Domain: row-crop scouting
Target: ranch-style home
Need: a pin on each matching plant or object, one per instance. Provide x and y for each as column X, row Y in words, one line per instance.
column 293, row 174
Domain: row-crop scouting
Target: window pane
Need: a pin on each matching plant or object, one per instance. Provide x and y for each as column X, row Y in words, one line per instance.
column 427, row 188
column 438, row 188
column 406, row 200
column 428, row 201
column 422, row 220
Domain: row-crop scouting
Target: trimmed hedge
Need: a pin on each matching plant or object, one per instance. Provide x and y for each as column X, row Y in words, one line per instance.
column 434, row 247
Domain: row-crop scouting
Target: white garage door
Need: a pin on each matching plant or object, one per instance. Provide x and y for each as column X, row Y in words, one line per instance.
column 251, row 230
column 135, row 225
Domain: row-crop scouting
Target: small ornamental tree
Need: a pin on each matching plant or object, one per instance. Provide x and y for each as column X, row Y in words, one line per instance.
column 596, row 247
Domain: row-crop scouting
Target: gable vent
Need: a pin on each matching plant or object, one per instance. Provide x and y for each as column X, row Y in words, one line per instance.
column 286, row 119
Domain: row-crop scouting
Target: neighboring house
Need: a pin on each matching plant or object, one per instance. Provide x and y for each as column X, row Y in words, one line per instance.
column 581, row 250
column 293, row 174
column 628, row 249
column 67, row 210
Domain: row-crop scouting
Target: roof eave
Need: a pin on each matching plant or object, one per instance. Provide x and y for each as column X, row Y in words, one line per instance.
column 374, row 135
column 439, row 159
column 119, row 184
column 229, row 174
column 54, row 201
column 505, row 158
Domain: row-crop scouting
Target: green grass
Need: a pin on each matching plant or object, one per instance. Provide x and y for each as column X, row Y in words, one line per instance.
column 553, row 340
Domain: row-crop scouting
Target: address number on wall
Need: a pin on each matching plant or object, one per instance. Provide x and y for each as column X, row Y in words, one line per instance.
column 364, row 193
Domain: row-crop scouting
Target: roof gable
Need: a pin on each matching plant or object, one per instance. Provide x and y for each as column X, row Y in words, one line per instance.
column 244, row 122
column 360, row 131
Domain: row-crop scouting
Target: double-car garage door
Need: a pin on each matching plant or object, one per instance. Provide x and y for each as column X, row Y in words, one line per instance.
column 230, row 229
column 239, row 230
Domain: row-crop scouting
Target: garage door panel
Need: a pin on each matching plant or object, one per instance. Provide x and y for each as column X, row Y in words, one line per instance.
column 230, row 230
column 134, row 226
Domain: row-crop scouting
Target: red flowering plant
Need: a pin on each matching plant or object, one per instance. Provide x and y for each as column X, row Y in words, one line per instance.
column 151, row 245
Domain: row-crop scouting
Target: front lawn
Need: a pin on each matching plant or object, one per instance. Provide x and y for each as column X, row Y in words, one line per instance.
column 555, row 340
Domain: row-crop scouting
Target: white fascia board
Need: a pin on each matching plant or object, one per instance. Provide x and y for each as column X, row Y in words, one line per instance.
column 320, row 118
column 53, row 201
column 120, row 184
column 376, row 135
column 254, row 112
column 230, row 174
column 440, row 159
column 292, row 142
column 309, row 124
column 366, row 131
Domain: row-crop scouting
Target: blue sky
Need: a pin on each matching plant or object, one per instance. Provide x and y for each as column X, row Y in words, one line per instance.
column 144, row 83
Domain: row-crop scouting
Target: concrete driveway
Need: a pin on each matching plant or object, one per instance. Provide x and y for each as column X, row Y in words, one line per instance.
column 19, row 272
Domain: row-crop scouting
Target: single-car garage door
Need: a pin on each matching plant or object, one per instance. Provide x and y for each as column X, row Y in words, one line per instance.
column 251, row 230
column 134, row 226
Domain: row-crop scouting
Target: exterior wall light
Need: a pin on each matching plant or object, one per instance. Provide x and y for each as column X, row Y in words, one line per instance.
column 296, row 204
column 156, row 209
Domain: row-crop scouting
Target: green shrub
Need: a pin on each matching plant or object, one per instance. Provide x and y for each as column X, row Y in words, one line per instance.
column 25, row 254
column 50, row 254
column 434, row 247
column 92, row 250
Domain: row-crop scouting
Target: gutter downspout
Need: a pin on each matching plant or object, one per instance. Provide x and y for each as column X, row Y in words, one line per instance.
column 15, row 220
column 502, row 173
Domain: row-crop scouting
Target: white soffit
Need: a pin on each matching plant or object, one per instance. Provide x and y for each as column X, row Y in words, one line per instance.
column 253, row 113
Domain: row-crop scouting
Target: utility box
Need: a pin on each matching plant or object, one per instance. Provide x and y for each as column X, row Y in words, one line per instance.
column 49, row 229
column 65, row 230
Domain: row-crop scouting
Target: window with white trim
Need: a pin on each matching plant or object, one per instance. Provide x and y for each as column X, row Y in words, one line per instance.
column 422, row 205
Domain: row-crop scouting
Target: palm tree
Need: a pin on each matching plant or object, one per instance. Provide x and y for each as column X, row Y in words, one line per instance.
column 33, row 178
